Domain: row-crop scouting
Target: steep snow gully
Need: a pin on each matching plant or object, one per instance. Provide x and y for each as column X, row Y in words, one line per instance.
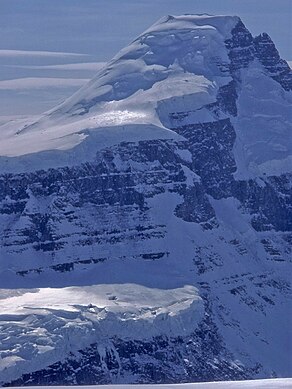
column 145, row 222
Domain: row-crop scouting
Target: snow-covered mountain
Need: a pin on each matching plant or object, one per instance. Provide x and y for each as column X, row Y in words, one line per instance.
column 146, row 221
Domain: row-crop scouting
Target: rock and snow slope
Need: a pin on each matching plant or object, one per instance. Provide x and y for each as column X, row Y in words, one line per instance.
column 138, row 241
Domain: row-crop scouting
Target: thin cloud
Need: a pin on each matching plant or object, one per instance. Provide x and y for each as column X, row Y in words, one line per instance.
column 41, row 83
column 28, row 53
column 90, row 66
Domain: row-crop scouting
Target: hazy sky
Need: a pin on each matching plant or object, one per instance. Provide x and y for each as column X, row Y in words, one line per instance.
column 98, row 29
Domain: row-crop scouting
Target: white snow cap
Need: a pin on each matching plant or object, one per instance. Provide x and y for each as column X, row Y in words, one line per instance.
column 178, row 56
column 181, row 62
column 175, row 44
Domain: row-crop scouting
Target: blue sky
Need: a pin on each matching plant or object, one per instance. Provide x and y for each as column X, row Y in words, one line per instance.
column 97, row 29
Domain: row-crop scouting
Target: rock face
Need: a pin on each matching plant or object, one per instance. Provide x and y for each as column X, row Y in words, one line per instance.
column 189, row 186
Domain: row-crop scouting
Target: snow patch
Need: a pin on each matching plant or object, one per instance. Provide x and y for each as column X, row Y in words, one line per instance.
column 263, row 127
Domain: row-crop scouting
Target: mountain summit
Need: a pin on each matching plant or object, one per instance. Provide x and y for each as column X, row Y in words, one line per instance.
column 188, row 63
column 146, row 221
column 175, row 50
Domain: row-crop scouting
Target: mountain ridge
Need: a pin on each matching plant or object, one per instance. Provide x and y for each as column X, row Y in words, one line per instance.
column 167, row 182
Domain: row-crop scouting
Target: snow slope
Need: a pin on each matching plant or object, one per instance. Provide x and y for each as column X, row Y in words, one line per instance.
column 255, row 384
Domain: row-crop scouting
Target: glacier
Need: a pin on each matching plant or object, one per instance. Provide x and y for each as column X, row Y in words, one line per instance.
column 146, row 221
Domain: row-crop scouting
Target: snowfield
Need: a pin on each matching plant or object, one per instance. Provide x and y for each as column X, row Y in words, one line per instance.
column 37, row 326
column 278, row 383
